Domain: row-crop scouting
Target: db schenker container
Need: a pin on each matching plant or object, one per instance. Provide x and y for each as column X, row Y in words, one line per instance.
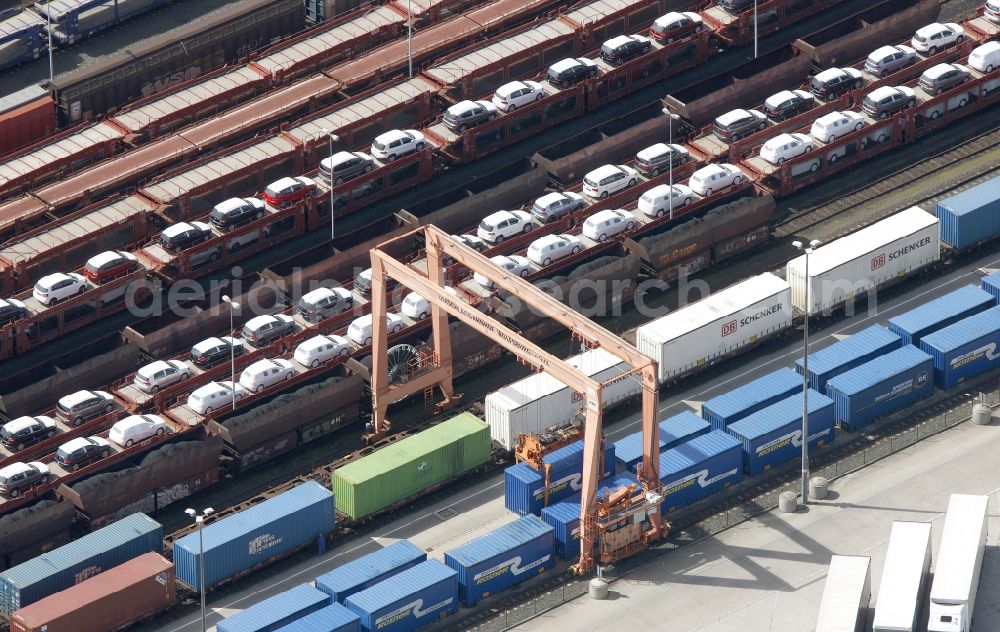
column 112, row 600
column 524, row 486
column 745, row 400
column 935, row 315
column 399, row 471
column 502, row 558
column 904, row 577
column 965, row 349
column 673, row 432
column 848, row 353
column 333, row 618
column 972, row 216
column 564, row 516
column 85, row 557
column 368, row 570
column 716, row 326
column 540, row 401
column 699, row 467
column 846, row 596
column 773, row 435
column 881, row 386
column 991, row 283
column 959, row 564
column 870, row 258
column 245, row 541
column 277, row 611
column 408, row 600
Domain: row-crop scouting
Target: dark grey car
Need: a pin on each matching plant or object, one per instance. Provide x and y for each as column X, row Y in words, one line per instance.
column 466, row 114
column 344, row 165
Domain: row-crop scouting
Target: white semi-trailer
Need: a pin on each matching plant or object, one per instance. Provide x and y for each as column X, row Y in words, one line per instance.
column 848, row 591
column 904, row 578
column 959, row 562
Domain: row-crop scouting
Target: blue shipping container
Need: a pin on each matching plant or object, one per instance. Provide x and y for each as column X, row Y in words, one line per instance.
column 913, row 325
column 991, row 283
column 965, row 349
column 773, row 435
column 524, row 487
column 881, row 386
column 81, row 559
column 368, row 570
column 700, row 467
column 564, row 515
column 254, row 537
column 848, row 353
column 505, row 557
column 277, row 611
column 747, row 399
column 972, row 216
column 408, row 600
column 673, row 432
column 333, row 618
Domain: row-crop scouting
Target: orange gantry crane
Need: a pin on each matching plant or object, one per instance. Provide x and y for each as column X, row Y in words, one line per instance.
column 623, row 521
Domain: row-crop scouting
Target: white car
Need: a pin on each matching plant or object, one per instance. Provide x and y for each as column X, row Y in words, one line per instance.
column 608, row 179
column 549, row 248
column 833, row 125
column 605, row 224
column 785, row 147
column 415, row 306
column 512, row 264
column 396, row 143
column 214, row 396
column 501, row 225
column 265, row 373
column 937, row 36
column 515, row 94
column 319, row 349
column 137, row 428
column 714, row 178
column 658, row 201
column 360, row 330
column 57, row 287
column 160, row 374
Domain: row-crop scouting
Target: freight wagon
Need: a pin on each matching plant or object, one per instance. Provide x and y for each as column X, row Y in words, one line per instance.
column 70, row 21
column 21, row 38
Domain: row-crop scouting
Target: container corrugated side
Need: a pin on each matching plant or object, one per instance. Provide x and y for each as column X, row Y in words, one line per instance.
column 881, row 386
column 564, row 516
column 85, row 557
column 717, row 325
column 333, row 618
column 722, row 410
column 972, row 216
column 408, row 600
column 846, row 595
column 524, row 487
column 114, row 599
column 904, row 576
column 239, row 543
column 674, row 431
column 848, row 353
column 965, row 349
column 874, row 256
column 505, row 557
column 408, row 467
column 773, row 435
column 699, row 467
column 368, row 570
column 277, row 611
column 991, row 283
column 934, row 315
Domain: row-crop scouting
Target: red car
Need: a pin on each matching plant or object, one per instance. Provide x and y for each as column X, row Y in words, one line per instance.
column 675, row 26
column 108, row 265
column 289, row 190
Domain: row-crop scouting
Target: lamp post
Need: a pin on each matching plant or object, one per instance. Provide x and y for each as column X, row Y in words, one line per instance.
column 333, row 138
column 48, row 31
column 671, row 117
column 233, row 306
column 199, row 520
column 755, row 29
column 806, row 250
column 409, row 37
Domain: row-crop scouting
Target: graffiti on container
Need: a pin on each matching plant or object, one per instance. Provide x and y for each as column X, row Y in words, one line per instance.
column 167, row 495
column 162, row 578
column 263, row 454
column 249, row 47
column 165, row 81
column 424, row 469
column 86, row 573
column 264, row 542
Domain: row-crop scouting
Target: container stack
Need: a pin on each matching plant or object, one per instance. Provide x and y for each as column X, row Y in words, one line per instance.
column 848, row 353
column 700, row 467
column 277, row 611
column 934, row 315
column 407, row 600
column 965, row 349
column 753, row 396
column 673, row 432
column 524, row 486
column 368, row 570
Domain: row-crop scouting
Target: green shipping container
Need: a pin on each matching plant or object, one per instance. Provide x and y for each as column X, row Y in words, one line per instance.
column 410, row 466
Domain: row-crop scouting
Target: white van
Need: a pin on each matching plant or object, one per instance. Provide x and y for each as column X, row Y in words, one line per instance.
column 985, row 58
column 416, row 307
column 657, row 201
column 360, row 330
column 319, row 349
column 264, row 373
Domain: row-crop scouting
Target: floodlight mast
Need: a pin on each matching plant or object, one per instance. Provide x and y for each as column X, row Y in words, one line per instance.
column 431, row 287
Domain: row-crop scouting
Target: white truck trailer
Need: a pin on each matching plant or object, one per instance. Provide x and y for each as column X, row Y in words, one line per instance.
column 959, row 562
column 846, row 596
column 900, row 597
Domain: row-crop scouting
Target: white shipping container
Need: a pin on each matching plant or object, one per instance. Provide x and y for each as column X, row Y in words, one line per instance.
column 871, row 257
column 717, row 325
column 959, row 564
column 846, row 596
column 541, row 401
column 904, row 575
